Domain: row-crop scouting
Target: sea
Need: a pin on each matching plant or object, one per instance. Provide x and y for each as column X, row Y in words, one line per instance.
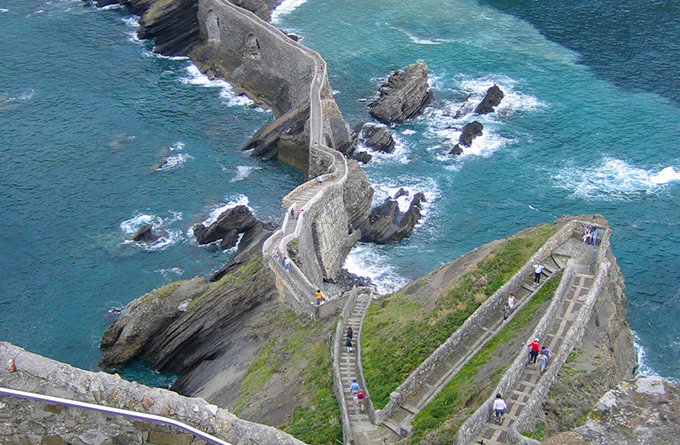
column 100, row 136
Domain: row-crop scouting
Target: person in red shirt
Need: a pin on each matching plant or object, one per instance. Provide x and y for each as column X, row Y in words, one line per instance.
column 533, row 353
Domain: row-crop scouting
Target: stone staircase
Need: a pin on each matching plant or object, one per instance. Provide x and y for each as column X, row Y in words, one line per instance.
column 434, row 383
column 516, row 399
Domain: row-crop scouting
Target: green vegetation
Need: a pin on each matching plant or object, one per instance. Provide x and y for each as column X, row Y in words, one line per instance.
column 399, row 333
column 472, row 385
column 161, row 293
column 316, row 418
column 540, row 434
column 234, row 278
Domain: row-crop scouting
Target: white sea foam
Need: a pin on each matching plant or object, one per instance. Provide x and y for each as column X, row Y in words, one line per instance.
column 413, row 185
column 159, row 225
column 132, row 25
column 613, row 179
column 218, row 209
column 242, row 172
column 3, row 10
column 24, row 95
column 173, row 271
column 399, row 155
column 176, row 146
column 285, row 8
column 113, row 6
column 513, row 100
column 408, row 132
column 173, row 162
column 641, row 352
column 335, row 92
column 196, row 77
column 366, row 260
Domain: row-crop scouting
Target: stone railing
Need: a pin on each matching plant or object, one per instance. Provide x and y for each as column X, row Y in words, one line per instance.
column 42, row 422
column 490, row 308
column 527, row 418
column 513, row 375
column 372, row 413
column 338, row 389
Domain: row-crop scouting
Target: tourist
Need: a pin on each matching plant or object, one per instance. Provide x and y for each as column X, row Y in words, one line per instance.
column 548, row 353
column 319, row 179
column 511, row 302
column 292, row 211
column 499, row 408
column 299, row 212
column 286, row 264
column 586, row 235
column 542, row 362
column 350, row 332
column 348, row 343
column 593, row 237
column 506, row 311
column 354, row 387
column 360, row 398
column 538, row 269
column 533, row 353
column 319, row 297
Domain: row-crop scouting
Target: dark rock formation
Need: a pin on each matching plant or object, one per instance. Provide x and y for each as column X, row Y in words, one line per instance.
column 229, row 239
column 363, row 156
column 469, row 132
column 257, row 7
column 288, row 130
column 378, row 138
column 249, row 247
column 386, row 223
column 145, row 235
column 172, row 24
column 403, row 95
column 493, row 97
column 401, row 192
column 233, row 221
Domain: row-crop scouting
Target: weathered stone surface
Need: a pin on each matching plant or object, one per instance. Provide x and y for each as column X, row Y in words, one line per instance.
column 362, row 156
column 378, row 138
column 229, row 239
column 403, row 95
column 387, row 223
column 239, row 218
column 145, row 234
column 173, row 24
column 357, row 195
column 491, row 100
column 257, row 7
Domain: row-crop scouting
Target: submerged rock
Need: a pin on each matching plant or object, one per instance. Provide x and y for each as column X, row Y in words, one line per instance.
column 493, row 97
column 403, row 95
column 145, row 235
column 469, row 131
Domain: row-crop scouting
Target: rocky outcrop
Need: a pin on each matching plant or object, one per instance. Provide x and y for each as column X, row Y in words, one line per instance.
column 640, row 411
column 387, row 223
column 403, row 95
column 469, row 131
column 233, row 221
column 172, row 24
column 491, row 100
column 357, row 195
column 146, row 235
column 378, row 138
column 257, row 7
column 30, row 422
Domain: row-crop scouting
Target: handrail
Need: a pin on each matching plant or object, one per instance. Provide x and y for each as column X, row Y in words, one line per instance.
column 110, row 410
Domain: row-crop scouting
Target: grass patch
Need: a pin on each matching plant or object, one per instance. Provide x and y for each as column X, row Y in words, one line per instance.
column 468, row 389
column 316, row 418
column 540, row 434
column 161, row 293
column 399, row 333
column 234, row 278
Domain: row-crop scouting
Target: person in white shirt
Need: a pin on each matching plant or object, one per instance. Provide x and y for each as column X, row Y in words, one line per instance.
column 538, row 269
column 499, row 408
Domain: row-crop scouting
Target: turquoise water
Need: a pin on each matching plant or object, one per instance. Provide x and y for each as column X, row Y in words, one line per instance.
column 89, row 113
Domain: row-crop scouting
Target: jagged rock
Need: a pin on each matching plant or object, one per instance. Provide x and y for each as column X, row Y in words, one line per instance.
column 401, row 192
column 229, row 239
column 145, row 235
column 386, row 223
column 249, row 246
column 363, row 156
column 470, row 131
column 257, row 7
column 378, row 138
column 456, row 150
column 493, row 97
column 239, row 218
column 173, row 25
column 403, row 95
column 265, row 142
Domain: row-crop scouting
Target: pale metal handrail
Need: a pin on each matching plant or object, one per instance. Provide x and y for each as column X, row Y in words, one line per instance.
column 109, row 410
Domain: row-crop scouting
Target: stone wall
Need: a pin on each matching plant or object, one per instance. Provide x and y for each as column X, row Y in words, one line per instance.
column 472, row 326
column 30, row 422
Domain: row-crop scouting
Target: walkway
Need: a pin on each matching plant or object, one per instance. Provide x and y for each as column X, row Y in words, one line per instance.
column 434, row 383
column 519, row 395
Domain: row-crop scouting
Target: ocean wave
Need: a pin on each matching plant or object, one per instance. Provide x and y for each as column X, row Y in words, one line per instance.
column 218, row 209
column 285, row 8
column 131, row 22
column 613, row 179
column 3, row 10
column 169, row 236
column 408, row 132
column 400, row 154
column 172, row 271
column 113, row 6
column 242, row 172
column 641, row 352
column 365, row 260
column 196, row 77
column 513, row 100
column 177, row 146
column 173, row 162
